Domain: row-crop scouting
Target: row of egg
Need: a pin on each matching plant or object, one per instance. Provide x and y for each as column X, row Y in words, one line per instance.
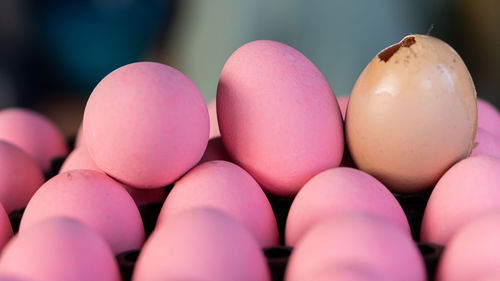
column 145, row 125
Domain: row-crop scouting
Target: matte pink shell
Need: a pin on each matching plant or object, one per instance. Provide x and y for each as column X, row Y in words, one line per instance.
column 93, row 198
column 487, row 144
column 278, row 117
column 473, row 252
column 33, row 133
column 20, row 177
column 466, row 191
column 80, row 159
column 146, row 124
column 488, row 117
column 214, row 125
column 215, row 151
column 343, row 101
column 358, row 239
column 201, row 244
column 5, row 228
column 341, row 190
column 226, row 187
column 59, row 249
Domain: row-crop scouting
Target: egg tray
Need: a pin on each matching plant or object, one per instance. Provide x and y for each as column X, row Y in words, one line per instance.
column 277, row 257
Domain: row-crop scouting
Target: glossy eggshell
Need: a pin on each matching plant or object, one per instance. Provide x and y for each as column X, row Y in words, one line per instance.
column 226, row 187
column 488, row 117
column 5, row 228
column 486, row 144
column 59, row 249
column 413, row 116
column 93, row 198
column 468, row 190
column 20, row 177
column 145, row 124
column 79, row 159
column 473, row 252
column 365, row 240
column 336, row 191
column 212, row 114
column 33, row 133
column 201, row 244
column 278, row 117
column 215, row 151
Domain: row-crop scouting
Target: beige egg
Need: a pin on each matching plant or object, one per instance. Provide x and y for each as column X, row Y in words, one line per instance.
column 412, row 114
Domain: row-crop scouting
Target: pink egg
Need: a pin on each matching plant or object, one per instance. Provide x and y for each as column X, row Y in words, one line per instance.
column 214, row 125
column 33, row 133
column 5, row 228
column 473, row 252
column 80, row 159
column 363, row 240
column 59, row 249
column 146, row 124
column 93, row 198
column 8, row 277
column 201, row 244
column 488, row 117
column 348, row 272
column 20, row 177
column 278, row 117
column 215, row 151
column 340, row 190
column 487, row 144
column 79, row 137
column 466, row 191
column 226, row 187
column 343, row 101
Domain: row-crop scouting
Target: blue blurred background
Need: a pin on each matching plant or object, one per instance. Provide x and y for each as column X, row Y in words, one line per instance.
column 53, row 52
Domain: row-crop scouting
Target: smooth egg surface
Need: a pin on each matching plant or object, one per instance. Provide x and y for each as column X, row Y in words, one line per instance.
column 278, row 117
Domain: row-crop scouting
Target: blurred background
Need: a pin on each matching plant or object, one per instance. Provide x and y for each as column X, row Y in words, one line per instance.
column 54, row 52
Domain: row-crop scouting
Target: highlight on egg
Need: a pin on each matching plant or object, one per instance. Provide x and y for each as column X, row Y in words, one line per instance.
column 412, row 114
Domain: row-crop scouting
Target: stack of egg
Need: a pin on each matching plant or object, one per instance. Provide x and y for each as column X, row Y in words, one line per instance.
column 275, row 134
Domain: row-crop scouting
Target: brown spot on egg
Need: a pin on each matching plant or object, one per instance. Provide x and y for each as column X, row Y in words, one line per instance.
column 407, row 123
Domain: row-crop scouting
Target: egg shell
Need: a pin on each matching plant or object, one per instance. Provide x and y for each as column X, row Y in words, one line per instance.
column 145, row 124
column 33, row 133
column 359, row 239
column 201, row 244
column 212, row 114
column 488, row 117
column 278, row 117
column 5, row 228
column 348, row 272
column 473, row 252
column 8, row 277
column 79, row 137
column 59, row 249
column 79, row 159
column 466, row 191
column 340, row 190
column 343, row 101
column 215, row 151
column 20, row 177
column 412, row 114
column 93, row 198
column 226, row 187
column 487, row 144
